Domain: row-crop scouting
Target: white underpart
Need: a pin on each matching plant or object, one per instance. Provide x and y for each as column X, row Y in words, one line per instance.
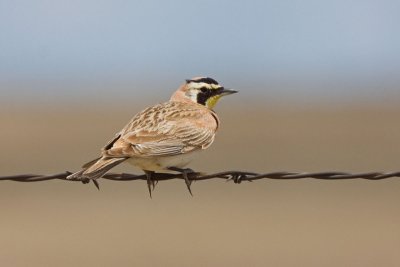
column 163, row 163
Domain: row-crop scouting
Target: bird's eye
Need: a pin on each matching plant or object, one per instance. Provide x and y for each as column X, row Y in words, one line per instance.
column 203, row 90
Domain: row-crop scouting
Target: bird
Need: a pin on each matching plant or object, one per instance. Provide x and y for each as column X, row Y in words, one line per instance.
column 165, row 137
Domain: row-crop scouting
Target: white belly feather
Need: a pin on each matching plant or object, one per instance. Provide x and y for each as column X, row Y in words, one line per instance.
column 163, row 163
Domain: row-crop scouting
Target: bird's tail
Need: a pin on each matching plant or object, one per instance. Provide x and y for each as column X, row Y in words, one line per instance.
column 96, row 168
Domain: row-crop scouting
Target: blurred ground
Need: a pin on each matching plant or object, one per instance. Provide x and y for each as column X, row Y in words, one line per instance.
column 264, row 223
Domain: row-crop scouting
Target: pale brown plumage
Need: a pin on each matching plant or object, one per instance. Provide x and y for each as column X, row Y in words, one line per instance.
column 161, row 135
column 166, row 129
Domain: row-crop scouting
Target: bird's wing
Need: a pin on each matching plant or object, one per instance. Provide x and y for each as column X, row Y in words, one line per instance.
column 167, row 129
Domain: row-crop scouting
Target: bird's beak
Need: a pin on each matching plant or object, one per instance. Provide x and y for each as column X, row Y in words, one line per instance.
column 226, row 91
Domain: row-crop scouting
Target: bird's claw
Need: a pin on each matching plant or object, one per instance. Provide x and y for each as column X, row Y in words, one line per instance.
column 151, row 184
column 185, row 175
column 188, row 182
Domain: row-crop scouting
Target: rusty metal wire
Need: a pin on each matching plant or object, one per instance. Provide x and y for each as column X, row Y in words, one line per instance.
column 235, row 176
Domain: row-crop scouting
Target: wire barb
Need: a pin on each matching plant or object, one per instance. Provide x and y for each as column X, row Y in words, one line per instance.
column 235, row 176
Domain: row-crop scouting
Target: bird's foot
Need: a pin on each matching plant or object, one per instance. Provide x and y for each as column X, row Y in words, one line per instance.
column 151, row 184
column 185, row 175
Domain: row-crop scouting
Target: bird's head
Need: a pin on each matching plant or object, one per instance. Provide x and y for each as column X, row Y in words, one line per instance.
column 202, row 90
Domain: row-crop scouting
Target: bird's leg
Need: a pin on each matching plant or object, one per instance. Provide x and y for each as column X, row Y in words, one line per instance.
column 150, row 181
column 185, row 173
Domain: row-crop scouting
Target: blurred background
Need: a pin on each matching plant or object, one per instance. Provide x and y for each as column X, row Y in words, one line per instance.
column 319, row 91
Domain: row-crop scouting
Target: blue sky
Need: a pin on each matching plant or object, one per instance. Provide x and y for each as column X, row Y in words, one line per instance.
column 54, row 45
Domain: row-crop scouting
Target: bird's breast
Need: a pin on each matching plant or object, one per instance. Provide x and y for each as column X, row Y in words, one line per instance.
column 163, row 163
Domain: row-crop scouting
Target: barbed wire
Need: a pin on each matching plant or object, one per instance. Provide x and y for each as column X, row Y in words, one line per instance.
column 235, row 176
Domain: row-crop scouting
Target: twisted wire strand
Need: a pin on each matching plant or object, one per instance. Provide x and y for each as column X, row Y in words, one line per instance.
column 235, row 176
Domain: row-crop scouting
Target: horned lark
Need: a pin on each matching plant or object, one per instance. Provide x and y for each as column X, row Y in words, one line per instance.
column 164, row 137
